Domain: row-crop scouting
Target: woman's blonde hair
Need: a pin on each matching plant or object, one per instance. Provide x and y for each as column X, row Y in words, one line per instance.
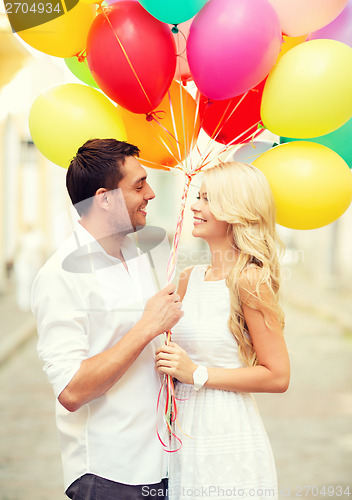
column 240, row 195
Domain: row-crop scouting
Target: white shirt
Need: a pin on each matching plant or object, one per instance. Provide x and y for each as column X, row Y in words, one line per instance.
column 85, row 301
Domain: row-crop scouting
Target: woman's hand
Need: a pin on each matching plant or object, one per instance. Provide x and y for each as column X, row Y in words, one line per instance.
column 172, row 360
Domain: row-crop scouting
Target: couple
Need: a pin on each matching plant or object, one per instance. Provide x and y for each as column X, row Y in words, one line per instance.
column 100, row 324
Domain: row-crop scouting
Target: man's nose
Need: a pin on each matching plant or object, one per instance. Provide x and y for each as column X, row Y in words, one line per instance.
column 150, row 195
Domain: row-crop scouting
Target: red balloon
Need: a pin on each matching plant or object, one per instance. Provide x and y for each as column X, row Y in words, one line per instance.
column 232, row 120
column 131, row 55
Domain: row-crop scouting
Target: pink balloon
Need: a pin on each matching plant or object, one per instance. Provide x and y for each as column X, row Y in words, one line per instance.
column 340, row 29
column 232, row 46
column 300, row 17
column 183, row 73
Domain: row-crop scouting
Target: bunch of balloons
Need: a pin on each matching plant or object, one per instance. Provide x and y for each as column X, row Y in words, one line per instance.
column 281, row 65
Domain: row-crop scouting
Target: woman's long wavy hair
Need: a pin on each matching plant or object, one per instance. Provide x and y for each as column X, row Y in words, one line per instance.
column 240, row 195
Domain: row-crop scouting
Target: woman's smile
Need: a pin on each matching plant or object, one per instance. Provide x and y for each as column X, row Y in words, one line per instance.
column 198, row 220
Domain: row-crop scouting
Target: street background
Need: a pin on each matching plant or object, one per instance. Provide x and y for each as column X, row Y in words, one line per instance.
column 310, row 426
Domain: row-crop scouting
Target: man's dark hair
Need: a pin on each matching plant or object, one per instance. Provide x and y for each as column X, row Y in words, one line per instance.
column 97, row 164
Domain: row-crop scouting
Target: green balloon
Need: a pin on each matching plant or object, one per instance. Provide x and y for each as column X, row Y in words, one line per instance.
column 81, row 71
column 339, row 140
column 173, row 11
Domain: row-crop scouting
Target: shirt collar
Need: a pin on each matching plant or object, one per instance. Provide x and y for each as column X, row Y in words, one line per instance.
column 89, row 245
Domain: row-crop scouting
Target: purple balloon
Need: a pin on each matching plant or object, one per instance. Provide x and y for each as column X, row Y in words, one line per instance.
column 232, row 46
column 339, row 29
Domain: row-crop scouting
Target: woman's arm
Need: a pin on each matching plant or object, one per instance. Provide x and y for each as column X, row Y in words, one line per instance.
column 272, row 374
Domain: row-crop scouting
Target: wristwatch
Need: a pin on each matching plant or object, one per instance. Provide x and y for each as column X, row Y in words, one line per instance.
column 200, row 376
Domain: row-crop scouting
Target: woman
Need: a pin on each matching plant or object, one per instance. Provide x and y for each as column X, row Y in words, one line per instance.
column 229, row 343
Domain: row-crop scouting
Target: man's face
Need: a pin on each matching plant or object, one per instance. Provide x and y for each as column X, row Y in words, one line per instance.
column 136, row 191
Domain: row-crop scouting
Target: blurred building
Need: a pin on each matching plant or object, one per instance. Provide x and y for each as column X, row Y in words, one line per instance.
column 323, row 254
column 27, row 178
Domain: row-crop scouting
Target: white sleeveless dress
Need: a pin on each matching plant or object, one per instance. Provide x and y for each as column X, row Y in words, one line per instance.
column 227, row 449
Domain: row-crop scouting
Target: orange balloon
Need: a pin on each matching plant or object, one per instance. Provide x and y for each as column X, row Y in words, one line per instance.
column 166, row 136
column 289, row 42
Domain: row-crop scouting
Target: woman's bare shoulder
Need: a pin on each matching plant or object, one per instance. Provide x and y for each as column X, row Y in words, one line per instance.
column 183, row 281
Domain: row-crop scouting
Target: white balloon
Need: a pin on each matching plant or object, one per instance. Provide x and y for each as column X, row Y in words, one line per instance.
column 250, row 151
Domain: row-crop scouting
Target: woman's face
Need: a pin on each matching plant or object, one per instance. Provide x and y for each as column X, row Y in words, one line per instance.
column 206, row 226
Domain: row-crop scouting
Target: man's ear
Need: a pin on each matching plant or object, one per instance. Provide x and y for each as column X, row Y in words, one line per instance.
column 101, row 198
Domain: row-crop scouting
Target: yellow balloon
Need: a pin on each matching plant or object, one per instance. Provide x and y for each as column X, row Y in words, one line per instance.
column 66, row 116
column 91, row 1
column 64, row 36
column 168, row 136
column 309, row 91
column 289, row 42
column 311, row 184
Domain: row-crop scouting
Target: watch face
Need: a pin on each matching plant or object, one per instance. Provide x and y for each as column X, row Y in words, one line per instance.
column 200, row 376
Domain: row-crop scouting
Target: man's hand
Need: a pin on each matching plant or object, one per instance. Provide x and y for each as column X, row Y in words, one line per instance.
column 162, row 311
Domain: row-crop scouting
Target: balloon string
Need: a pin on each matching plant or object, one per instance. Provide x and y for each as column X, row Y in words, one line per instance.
column 177, row 159
column 174, row 123
column 174, row 414
column 194, row 135
column 180, row 55
column 100, row 7
column 63, row 3
column 225, row 148
column 169, row 428
column 104, row 10
column 173, row 256
column 252, row 136
column 211, row 150
column 159, row 113
column 232, row 112
column 224, row 123
column 82, row 56
column 218, row 128
column 167, row 387
column 152, row 117
column 186, row 151
column 173, row 419
column 184, row 38
column 210, row 141
column 162, row 167
column 240, row 135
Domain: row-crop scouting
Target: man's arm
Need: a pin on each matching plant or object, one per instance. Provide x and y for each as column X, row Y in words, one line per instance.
column 99, row 373
column 63, row 345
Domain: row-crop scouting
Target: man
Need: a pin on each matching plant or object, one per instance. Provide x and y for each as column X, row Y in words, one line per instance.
column 95, row 337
